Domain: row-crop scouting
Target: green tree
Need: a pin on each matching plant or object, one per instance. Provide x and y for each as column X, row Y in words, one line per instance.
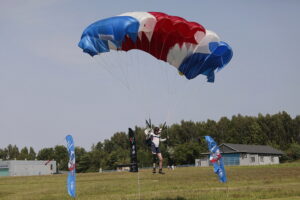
column 84, row 164
column 144, row 158
column 211, row 128
column 12, row 152
column 99, row 146
column 120, row 140
column 257, row 136
column 23, row 154
column 32, row 154
column 46, row 154
column 98, row 158
column 186, row 153
column 293, row 152
column 117, row 157
column 61, row 157
column 79, row 154
column 297, row 129
column 3, row 154
column 223, row 127
column 108, row 146
column 239, row 131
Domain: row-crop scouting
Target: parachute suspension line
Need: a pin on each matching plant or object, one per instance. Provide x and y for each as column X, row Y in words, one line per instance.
column 173, row 99
column 142, row 81
column 169, row 99
column 169, row 93
column 120, row 67
column 168, row 90
column 124, row 68
column 134, row 77
column 167, row 78
column 137, row 63
column 176, row 99
column 105, row 66
column 149, row 116
column 128, row 63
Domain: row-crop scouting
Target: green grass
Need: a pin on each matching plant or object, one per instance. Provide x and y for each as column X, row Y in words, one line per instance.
column 276, row 182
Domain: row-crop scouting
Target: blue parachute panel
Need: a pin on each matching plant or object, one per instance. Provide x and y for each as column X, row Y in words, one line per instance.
column 95, row 37
column 206, row 64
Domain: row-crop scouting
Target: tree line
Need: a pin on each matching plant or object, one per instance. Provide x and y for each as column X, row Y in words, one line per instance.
column 185, row 143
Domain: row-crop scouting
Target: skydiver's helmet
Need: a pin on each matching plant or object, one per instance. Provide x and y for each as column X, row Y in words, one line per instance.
column 157, row 130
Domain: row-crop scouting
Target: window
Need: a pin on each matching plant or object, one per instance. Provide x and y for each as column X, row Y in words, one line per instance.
column 272, row 158
column 51, row 167
column 252, row 159
column 244, row 156
column 261, row 159
column 231, row 159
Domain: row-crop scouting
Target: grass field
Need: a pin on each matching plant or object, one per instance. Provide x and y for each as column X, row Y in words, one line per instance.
column 276, row 182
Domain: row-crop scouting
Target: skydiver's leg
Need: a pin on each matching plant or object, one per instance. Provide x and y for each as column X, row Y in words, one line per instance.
column 153, row 149
column 154, row 162
column 160, row 162
column 160, row 158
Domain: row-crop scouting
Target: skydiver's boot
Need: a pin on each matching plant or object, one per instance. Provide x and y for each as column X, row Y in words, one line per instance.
column 161, row 172
column 154, row 171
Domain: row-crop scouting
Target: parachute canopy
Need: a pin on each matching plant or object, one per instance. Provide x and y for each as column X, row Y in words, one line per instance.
column 188, row 46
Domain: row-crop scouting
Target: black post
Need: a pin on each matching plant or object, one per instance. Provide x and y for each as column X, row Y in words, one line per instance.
column 133, row 151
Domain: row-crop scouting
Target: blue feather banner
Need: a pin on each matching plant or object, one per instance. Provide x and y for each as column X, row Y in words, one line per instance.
column 216, row 159
column 71, row 181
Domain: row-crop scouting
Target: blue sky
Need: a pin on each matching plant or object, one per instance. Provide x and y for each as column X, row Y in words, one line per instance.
column 49, row 88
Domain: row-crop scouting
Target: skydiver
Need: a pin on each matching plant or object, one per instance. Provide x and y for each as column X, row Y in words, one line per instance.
column 155, row 136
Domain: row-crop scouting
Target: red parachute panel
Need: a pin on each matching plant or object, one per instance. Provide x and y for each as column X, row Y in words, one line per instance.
column 168, row 31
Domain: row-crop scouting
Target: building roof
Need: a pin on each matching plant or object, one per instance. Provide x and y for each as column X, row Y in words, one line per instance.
column 246, row 148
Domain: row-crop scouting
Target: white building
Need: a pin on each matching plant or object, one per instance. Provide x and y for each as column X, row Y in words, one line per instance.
column 242, row 154
column 27, row 167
